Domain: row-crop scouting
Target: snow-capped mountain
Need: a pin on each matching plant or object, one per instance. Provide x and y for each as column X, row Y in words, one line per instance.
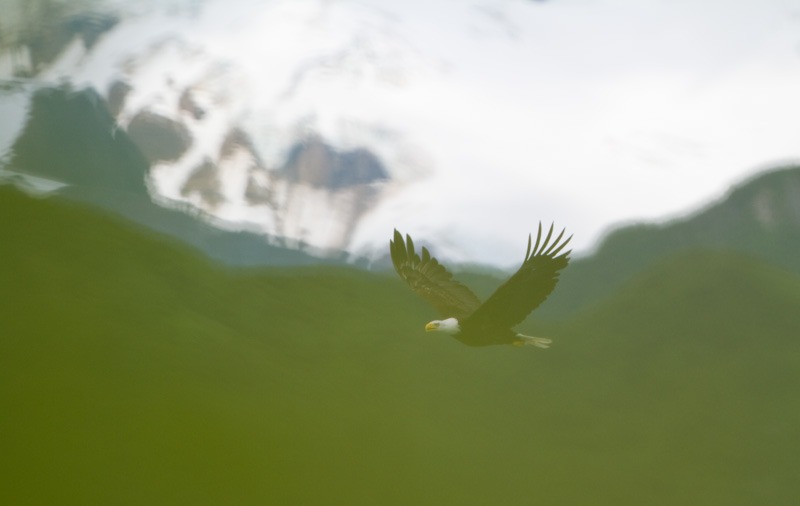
column 329, row 123
column 263, row 115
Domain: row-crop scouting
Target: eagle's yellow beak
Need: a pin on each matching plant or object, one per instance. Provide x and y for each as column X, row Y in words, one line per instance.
column 431, row 327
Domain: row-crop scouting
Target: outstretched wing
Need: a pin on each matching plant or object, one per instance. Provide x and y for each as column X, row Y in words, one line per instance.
column 431, row 280
column 528, row 287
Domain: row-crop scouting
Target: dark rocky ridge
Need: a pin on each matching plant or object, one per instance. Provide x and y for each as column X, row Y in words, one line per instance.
column 204, row 182
column 160, row 139
column 318, row 164
column 71, row 137
column 760, row 217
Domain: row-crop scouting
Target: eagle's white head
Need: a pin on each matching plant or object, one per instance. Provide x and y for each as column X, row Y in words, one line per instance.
column 448, row 326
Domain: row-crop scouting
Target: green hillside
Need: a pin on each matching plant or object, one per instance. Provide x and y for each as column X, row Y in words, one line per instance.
column 135, row 371
column 704, row 351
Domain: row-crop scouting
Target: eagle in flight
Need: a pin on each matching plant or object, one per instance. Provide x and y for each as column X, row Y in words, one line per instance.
column 490, row 323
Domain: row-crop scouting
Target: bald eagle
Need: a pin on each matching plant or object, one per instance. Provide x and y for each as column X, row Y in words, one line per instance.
column 490, row 323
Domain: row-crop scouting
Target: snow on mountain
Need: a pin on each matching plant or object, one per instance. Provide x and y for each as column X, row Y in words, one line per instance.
column 330, row 123
column 272, row 115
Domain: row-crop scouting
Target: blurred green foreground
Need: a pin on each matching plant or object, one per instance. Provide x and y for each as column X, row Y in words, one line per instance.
column 135, row 372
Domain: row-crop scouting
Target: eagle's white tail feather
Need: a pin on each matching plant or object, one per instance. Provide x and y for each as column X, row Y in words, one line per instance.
column 539, row 342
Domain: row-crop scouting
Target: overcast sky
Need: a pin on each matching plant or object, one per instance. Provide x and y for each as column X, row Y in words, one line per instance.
column 606, row 111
